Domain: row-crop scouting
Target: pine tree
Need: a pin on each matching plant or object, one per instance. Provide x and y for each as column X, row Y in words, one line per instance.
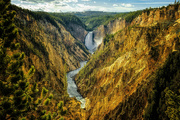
column 18, row 99
column 14, row 98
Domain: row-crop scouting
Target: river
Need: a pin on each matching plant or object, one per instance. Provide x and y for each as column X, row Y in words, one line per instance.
column 72, row 88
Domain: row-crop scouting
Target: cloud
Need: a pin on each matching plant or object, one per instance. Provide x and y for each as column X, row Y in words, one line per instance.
column 48, row 1
column 123, row 5
column 85, row 0
column 115, row 5
column 127, row 5
column 153, row 3
column 60, row 4
column 45, row 5
column 83, row 5
column 70, row 1
column 145, row 0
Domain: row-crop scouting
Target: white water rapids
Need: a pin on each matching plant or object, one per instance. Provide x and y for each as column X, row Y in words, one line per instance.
column 72, row 88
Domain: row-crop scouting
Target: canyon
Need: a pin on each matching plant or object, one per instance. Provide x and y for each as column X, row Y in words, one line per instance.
column 118, row 78
column 49, row 46
column 53, row 48
column 72, row 88
column 124, row 70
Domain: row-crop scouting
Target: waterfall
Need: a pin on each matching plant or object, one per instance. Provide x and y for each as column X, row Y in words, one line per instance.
column 72, row 87
column 89, row 42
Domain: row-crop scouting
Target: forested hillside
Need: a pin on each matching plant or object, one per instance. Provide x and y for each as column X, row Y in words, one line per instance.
column 93, row 19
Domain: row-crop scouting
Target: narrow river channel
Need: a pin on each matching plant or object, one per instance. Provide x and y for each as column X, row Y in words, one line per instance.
column 72, row 88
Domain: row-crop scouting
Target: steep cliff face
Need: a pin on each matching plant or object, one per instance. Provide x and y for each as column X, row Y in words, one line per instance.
column 169, row 13
column 53, row 50
column 72, row 24
column 112, row 27
column 77, row 31
column 50, row 39
column 119, row 76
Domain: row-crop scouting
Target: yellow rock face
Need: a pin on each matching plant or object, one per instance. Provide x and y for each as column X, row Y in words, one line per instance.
column 53, row 50
column 128, row 61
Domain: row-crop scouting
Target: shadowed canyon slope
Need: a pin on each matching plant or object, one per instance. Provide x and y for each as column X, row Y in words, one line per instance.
column 49, row 46
column 53, row 47
column 119, row 78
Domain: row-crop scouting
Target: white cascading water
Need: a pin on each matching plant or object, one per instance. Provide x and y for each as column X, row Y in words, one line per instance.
column 72, row 88
column 89, row 42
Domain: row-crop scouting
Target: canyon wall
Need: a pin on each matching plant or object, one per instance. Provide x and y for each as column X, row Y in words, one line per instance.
column 151, row 17
column 53, row 49
column 119, row 77
column 111, row 28
column 77, row 31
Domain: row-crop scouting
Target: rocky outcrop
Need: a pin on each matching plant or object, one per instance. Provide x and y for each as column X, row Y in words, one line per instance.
column 169, row 13
column 111, row 28
column 119, row 76
column 77, row 31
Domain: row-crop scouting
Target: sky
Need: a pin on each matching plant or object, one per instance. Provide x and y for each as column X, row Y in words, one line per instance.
column 89, row 5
